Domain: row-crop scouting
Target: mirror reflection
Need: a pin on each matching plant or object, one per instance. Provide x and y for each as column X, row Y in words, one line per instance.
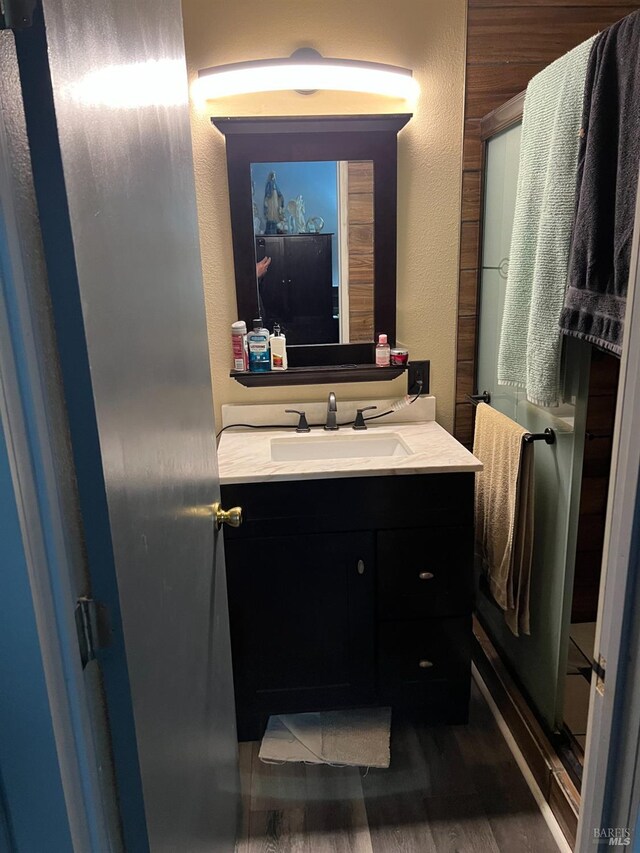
column 314, row 249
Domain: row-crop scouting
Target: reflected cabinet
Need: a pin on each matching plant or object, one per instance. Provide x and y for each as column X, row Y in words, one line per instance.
column 296, row 291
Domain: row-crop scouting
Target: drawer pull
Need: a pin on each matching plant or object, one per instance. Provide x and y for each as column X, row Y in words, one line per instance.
column 425, row 576
column 425, row 664
column 360, row 567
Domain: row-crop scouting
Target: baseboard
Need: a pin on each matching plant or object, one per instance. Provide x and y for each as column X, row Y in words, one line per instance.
column 543, row 761
column 545, row 809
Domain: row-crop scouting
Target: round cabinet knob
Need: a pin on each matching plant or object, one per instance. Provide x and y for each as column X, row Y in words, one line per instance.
column 425, row 576
column 425, row 664
column 232, row 517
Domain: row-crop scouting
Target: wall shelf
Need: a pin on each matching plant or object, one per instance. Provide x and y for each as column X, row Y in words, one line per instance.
column 330, row 374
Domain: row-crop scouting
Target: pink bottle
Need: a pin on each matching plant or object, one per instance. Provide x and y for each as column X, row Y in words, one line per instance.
column 383, row 352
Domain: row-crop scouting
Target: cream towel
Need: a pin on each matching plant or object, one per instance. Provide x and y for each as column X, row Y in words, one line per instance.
column 504, row 512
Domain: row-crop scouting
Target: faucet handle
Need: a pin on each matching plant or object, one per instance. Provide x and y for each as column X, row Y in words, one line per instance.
column 303, row 426
column 359, row 421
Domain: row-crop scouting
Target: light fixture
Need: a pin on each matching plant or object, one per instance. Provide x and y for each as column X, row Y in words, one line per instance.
column 305, row 71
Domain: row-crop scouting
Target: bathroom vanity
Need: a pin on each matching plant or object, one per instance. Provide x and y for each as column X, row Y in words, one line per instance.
column 350, row 579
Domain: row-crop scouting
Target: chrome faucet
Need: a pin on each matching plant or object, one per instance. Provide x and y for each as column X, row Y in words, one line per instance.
column 332, row 409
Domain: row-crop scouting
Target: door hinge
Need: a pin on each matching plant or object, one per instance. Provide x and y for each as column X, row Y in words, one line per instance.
column 92, row 625
column 16, row 14
column 600, row 668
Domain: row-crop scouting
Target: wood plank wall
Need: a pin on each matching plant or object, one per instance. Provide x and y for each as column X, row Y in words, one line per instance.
column 508, row 41
column 360, row 225
column 598, row 447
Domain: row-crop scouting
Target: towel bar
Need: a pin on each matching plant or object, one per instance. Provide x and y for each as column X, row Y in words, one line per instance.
column 485, row 397
column 548, row 436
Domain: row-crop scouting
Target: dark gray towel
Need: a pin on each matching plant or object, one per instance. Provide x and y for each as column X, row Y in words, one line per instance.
column 607, row 181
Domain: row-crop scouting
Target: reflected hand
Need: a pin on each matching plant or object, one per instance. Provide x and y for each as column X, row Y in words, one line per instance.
column 262, row 266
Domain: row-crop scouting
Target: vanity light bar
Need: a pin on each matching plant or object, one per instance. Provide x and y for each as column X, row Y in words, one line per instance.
column 305, row 71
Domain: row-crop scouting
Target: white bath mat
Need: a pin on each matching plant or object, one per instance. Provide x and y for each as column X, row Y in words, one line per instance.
column 354, row 738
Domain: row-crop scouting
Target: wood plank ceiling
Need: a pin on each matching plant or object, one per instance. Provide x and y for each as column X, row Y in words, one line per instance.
column 508, row 42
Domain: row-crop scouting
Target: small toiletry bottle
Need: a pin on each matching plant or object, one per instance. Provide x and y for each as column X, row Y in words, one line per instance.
column 258, row 341
column 383, row 352
column 239, row 345
column 278, row 345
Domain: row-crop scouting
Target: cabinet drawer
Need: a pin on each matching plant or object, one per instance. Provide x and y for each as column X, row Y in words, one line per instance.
column 425, row 572
column 420, row 653
column 352, row 503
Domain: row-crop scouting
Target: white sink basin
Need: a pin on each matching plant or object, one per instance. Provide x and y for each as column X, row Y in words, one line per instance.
column 337, row 446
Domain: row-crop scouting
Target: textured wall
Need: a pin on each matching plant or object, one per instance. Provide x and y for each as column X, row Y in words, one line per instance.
column 428, row 37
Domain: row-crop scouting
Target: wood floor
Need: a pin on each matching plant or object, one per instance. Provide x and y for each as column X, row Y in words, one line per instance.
column 448, row 790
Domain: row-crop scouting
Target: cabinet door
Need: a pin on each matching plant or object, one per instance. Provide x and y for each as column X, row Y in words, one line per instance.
column 273, row 287
column 302, row 622
column 309, row 275
column 308, row 264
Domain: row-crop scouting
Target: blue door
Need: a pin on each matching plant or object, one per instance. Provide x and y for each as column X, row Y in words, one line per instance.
column 31, row 793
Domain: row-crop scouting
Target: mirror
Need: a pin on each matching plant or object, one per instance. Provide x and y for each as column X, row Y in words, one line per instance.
column 313, row 237
column 313, row 223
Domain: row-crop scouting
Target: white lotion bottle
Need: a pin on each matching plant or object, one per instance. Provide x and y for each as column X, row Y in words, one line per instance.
column 278, row 346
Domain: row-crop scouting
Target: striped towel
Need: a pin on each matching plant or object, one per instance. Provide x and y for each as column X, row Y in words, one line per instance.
column 529, row 355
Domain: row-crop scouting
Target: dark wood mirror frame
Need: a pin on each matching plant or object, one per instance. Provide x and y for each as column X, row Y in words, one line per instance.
column 268, row 139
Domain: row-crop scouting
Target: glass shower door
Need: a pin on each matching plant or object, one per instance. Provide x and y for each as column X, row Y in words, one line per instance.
column 537, row 660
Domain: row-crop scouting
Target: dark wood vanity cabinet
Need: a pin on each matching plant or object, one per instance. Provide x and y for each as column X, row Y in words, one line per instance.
column 349, row 592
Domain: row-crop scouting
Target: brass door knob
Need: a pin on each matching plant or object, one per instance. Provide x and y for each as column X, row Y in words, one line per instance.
column 232, row 517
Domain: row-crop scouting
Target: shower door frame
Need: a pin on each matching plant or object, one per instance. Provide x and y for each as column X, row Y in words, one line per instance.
column 531, row 734
column 493, row 125
column 611, row 781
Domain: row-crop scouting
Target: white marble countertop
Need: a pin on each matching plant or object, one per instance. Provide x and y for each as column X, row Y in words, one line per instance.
column 244, row 456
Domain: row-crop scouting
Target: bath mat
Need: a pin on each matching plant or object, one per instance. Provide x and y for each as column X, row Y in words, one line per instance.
column 353, row 738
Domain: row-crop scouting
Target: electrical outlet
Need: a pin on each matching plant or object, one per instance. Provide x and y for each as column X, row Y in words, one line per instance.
column 418, row 370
